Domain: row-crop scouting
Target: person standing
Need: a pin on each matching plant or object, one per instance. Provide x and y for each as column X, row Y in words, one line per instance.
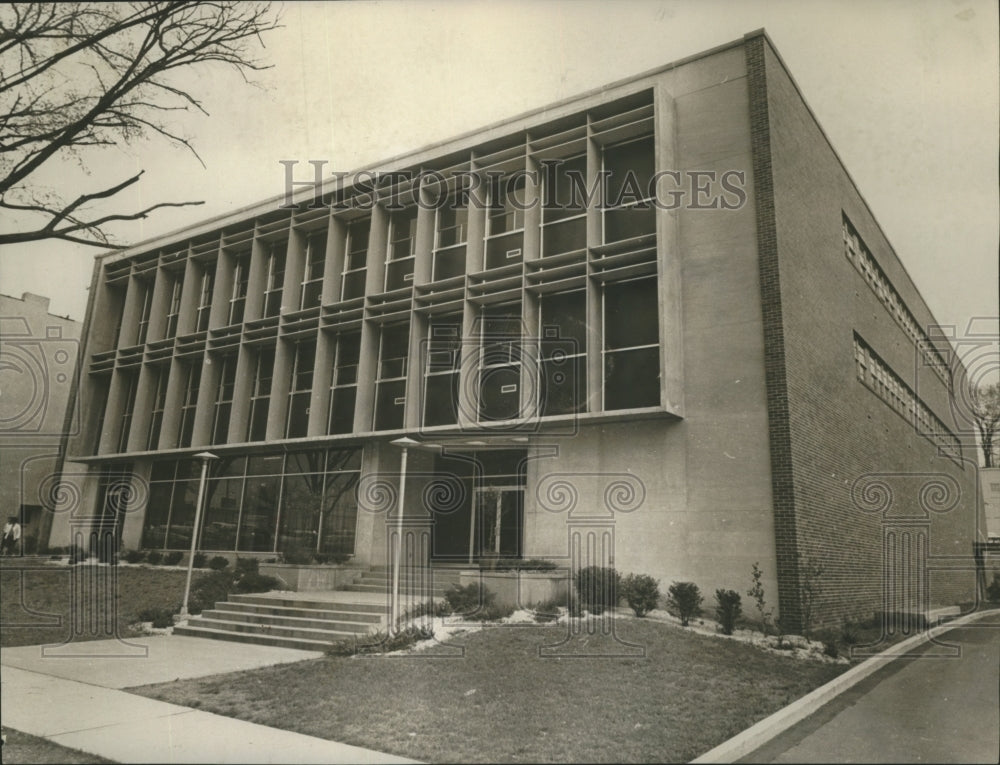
column 11, row 536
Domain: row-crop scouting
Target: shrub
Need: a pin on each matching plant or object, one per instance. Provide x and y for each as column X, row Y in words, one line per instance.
column 426, row 608
column 218, row 563
column 297, row 556
column 210, row 589
column 247, row 566
column 76, row 554
column 530, row 564
column 336, row 558
column 684, row 598
column 133, row 556
column 160, row 617
column 154, row 557
column 465, row 600
column 598, row 588
column 379, row 642
column 756, row 592
column 993, row 589
column 727, row 609
column 641, row 592
column 200, row 559
column 254, row 582
column 548, row 611
column 172, row 558
column 850, row 632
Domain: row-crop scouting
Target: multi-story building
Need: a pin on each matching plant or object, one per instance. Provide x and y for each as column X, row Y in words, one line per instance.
column 38, row 352
column 709, row 358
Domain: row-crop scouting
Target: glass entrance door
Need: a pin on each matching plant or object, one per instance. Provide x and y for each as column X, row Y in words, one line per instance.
column 498, row 521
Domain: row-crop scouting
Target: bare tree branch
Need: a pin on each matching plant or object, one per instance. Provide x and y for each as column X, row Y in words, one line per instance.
column 80, row 75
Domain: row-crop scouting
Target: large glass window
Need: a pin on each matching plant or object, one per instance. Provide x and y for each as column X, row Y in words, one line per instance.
column 238, row 297
column 224, row 399
column 441, row 373
column 628, row 211
column 299, row 394
column 312, row 277
column 402, row 249
column 275, row 278
column 146, row 298
column 260, row 398
column 159, row 404
column 564, row 213
column 500, row 362
column 343, row 389
column 207, row 288
column 631, row 344
column 505, row 222
column 450, row 235
column 130, row 382
column 563, row 353
column 390, row 385
column 223, row 497
column 174, row 309
column 191, row 385
column 355, row 259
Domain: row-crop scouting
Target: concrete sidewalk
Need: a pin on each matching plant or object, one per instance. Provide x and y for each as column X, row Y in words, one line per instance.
column 76, row 702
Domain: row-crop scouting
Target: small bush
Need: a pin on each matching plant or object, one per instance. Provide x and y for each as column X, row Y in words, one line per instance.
column 336, row 558
column 254, row 582
column 993, row 589
column 727, row 609
column 218, row 563
column 426, row 608
column 76, row 554
column 530, row 564
column 548, row 611
column 133, row 556
column 597, row 588
column 684, row 598
column 210, row 589
column 379, row 642
column 641, row 592
column 200, row 559
column 247, row 566
column 297, row 556
column 172, row 558
column 160, row 617
column 465, row 600
column 154, row 557
column 850, row 632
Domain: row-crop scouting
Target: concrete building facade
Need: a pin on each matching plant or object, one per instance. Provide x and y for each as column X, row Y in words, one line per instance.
column 707, row 358
column 38, row 353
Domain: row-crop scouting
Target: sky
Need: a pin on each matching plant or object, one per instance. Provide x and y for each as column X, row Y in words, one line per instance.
column 906, row 91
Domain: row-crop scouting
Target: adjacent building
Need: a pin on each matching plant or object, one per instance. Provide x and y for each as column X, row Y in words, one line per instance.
column 655, row 326
column 38, row 353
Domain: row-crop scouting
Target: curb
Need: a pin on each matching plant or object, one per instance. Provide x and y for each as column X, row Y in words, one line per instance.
column 762, row 732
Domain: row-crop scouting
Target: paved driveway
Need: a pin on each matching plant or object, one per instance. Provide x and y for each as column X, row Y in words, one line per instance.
column 922, row 708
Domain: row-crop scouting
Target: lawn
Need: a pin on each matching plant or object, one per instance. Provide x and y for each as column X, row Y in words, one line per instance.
column 21, row 748
column 28, row 610
column 502, row 702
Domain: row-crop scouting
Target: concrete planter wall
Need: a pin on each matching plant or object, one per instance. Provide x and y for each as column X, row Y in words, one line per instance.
column 306, row 578
column 521, row 589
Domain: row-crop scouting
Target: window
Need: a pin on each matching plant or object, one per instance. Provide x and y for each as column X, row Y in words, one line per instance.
column 205, row 297
column 631, row 344
column 343, row 390
column 564, row 215
column 224, row 399
column 505, row 222
column 261, row 396
column 355, row 259
column 238, row 299
column 390, row 384
column 275, row 278
column 130, row 386
column 146, row 305
column 563, row 353
column 174, row 310
column 441, row 374
column 312, row 279
column 450, row 235
column 301, row 389
column 190, row 403
column 402, row 249
column 628, row 172
column 159, row 404
column 500, row 362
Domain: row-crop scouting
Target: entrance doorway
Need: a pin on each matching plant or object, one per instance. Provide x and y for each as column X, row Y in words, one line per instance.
column 489, row 521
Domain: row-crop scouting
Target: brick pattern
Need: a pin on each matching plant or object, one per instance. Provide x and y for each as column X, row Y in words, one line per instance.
column 779, row 430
